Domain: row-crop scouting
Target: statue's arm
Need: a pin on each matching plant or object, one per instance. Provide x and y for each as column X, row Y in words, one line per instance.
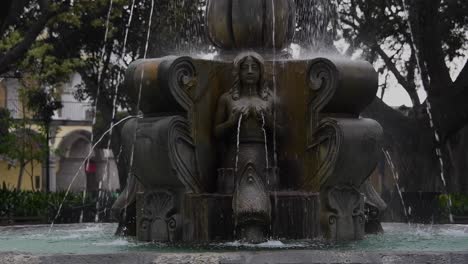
column 223, row 122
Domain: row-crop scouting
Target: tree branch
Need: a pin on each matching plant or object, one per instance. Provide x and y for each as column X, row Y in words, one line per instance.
column 462, row 80
column 451, row 113
column 22, row 47
column 424, row 18
column 409, row 87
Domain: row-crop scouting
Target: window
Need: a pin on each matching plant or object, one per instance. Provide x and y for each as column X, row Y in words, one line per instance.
column 37, row 182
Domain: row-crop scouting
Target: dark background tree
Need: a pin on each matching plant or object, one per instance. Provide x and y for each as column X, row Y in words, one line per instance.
column 417, row 45
column 28, row 17
column 419, row 56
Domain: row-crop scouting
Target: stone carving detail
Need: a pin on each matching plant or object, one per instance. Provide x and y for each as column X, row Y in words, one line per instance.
column 343, row 213
column 174, row 77
column 373, row 208
column 194, row 108
column 168, row 139
column 234, row 24
column 337, row 90
column 243, row 126
column 158, row 219
column 252, row 207
column 182, row 78
column 339, row 86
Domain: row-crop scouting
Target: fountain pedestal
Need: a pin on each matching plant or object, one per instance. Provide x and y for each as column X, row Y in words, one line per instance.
column 250, row 148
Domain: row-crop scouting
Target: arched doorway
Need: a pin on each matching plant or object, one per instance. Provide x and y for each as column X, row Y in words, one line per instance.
column 73, row 150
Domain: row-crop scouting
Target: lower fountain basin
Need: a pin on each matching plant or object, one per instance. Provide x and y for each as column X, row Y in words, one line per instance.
column 99, row 239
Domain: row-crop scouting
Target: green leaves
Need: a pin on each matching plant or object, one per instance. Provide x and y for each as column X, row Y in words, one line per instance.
column 459, row 203
column 42, row 104
column 33, row 204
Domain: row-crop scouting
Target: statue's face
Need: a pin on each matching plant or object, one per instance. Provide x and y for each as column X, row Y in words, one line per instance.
column 250, row 71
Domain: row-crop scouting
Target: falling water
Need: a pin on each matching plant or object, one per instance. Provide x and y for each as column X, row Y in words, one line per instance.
column 132, row 152
column 317, row 21
column 267, row 165
column 273, row 32
column 396, row 177
column 83, row 201
column 431, row 120
column 100, row 71
column 117, row 160
column 83, row 164
column 114, row 109
column 439, row 157
column 265, row 138
column 238, row 143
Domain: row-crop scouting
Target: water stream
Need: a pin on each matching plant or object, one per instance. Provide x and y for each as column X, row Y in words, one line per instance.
column 266, row 143
column 114, row 111
column 96, row 101
column 425, row 85
column 275, row 154
column 142, row 76
column 83, row 164
column 396, row 178
column 238, row 143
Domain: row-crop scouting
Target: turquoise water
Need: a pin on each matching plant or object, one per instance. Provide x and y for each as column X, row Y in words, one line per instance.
column 99, row 238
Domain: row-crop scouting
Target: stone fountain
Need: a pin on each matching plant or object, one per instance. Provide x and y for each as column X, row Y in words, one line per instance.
column 252, row 144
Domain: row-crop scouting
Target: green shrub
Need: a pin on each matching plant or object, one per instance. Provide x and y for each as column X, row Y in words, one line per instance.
column 42, row 204
column 459, row 203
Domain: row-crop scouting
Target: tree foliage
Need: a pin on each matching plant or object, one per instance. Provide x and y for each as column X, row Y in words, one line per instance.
column 419, row 44
column 416, row 45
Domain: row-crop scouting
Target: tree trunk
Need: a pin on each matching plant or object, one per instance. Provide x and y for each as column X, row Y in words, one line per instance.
column 20, row 176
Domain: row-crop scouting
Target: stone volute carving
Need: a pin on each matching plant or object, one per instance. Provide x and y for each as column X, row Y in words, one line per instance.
column 249, row 145
column 337, row 134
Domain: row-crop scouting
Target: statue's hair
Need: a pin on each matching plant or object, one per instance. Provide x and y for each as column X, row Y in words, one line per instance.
column 262, row 88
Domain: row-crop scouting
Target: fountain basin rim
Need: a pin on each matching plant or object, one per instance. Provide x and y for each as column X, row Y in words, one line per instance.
column 277, row 256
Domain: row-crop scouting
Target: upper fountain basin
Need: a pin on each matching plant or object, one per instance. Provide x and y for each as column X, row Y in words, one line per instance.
column 251, row 24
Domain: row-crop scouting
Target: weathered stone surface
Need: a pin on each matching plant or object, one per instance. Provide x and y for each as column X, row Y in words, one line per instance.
column 289, row 125
column 16, row 258
column 253, row 24
column 295, row 215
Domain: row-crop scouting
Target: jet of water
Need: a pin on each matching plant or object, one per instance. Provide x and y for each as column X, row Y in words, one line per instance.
column 132, row 153
column 114, row 109
column 238, row 143
column 429, row 114
column 98, row 92
column 265, row 137
column 82, row 165
column 273, row 32
column 397, row 184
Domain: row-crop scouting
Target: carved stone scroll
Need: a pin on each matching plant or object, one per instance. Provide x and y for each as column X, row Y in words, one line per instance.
column 339, row 86
column 345, row 151
column 164, row 154
column 162, row 85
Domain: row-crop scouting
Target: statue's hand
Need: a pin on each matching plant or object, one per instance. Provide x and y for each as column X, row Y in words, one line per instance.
column 236, row 113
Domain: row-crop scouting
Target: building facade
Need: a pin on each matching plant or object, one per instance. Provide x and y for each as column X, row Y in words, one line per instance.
column 71, row 156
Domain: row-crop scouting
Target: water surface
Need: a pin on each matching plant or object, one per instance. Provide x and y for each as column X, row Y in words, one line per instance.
column 99, row 238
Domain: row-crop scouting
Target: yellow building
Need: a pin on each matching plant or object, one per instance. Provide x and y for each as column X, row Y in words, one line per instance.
column 70, row 145
column 10, row 169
